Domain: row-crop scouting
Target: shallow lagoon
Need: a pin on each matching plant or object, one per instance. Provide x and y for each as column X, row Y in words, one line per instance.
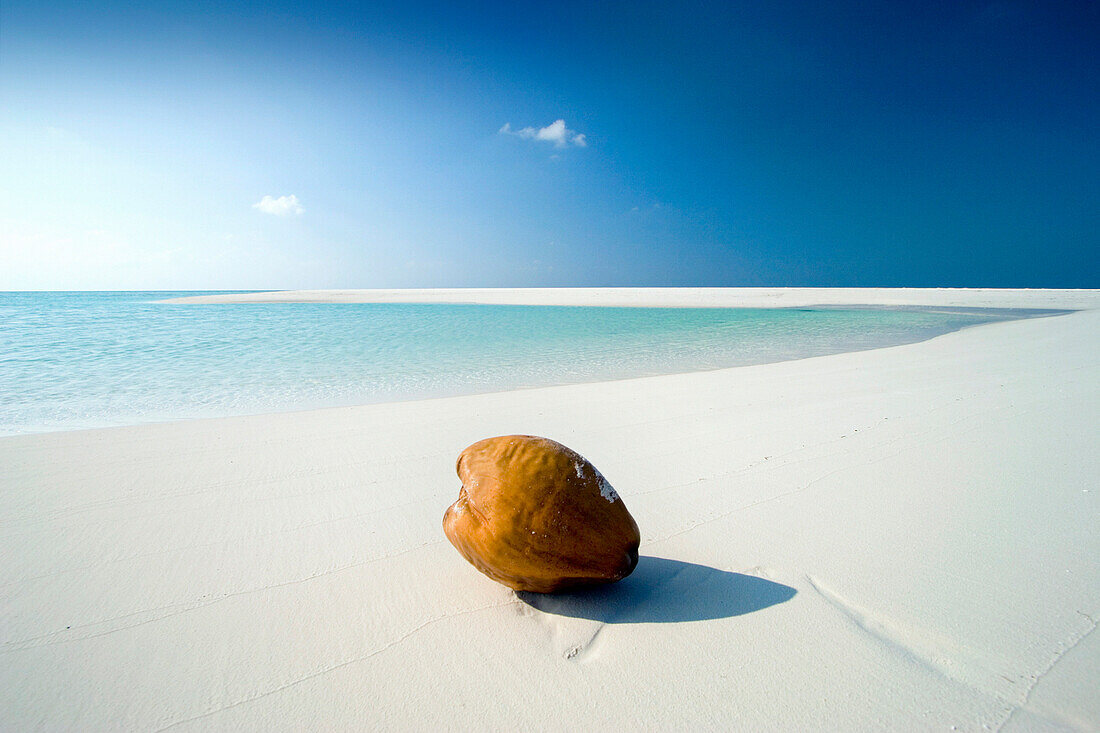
column 84, row 359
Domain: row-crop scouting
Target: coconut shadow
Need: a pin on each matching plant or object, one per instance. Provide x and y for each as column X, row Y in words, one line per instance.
column 666, row 591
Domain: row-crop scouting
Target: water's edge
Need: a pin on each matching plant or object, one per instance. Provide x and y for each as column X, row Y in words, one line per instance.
column 552, row 346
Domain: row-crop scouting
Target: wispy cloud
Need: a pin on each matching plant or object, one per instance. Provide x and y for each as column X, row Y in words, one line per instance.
column 556, row 132
column 282, row 206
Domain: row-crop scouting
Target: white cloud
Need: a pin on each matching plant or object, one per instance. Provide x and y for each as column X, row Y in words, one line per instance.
column 282, row 206
column 556, row 132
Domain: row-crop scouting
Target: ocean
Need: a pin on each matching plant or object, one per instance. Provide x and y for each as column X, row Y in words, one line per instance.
column 71, row 360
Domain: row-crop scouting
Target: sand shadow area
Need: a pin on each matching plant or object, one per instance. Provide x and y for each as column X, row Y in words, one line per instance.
column 666, row 591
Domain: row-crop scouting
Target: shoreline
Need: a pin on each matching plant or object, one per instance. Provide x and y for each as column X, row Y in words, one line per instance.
column 1003, row 313
column 900, row 537
column 675, row 297
column 507, row 390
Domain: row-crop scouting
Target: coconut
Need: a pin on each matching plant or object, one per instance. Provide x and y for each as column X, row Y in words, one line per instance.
column 537, row 516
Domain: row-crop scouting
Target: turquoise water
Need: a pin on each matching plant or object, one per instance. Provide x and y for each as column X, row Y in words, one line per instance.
column 77, row 360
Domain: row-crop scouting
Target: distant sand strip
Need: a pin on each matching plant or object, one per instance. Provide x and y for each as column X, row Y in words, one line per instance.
column 682, row 297
column 904, row 538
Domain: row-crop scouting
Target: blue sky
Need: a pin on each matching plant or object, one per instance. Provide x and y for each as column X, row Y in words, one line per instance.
column 276, row 145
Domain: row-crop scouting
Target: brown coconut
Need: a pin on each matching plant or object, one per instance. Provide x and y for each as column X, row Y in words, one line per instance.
column 537, row 516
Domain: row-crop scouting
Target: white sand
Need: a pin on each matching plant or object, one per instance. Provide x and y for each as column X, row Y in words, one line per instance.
column 904, row 538
column 679, row 297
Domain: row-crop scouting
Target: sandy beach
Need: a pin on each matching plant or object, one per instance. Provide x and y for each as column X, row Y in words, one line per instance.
column 680, row 297
column 904, row 538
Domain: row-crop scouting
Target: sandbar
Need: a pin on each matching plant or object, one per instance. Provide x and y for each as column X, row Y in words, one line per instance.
column 904, row 538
